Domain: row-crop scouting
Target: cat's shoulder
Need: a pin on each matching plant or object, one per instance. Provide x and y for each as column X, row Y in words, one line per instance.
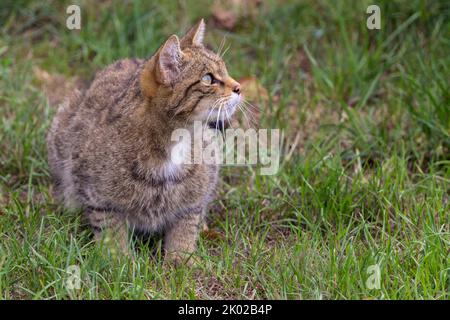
column 123, row 66
column 110, row 83
column 119, row 70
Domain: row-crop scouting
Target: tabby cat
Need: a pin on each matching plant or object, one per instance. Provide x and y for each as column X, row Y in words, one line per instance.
column 109, row 147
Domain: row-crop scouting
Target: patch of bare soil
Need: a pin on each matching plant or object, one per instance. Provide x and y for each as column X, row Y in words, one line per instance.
column 210, row 287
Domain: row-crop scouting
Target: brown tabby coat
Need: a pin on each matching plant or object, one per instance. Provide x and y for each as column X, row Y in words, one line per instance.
column 109, row 147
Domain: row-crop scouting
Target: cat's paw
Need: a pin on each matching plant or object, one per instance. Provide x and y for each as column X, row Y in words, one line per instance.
column 178, row 259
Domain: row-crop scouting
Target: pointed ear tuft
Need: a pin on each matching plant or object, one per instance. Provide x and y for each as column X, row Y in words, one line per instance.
column 194, row 37
column 170, row 58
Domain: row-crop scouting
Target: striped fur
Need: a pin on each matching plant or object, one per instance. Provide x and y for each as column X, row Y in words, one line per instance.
column 109, row 147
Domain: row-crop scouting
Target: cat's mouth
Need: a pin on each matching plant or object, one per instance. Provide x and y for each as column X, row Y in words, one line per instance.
column 217, row 125
column 221, row 117
column 221, row 113
column 225, row 111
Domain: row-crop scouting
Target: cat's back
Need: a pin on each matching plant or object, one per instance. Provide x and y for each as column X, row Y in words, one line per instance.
column 112, row 83
column 90, row 115
column 110, row 92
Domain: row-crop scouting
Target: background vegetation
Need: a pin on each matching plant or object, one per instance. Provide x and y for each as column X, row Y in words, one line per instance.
column 364, row 175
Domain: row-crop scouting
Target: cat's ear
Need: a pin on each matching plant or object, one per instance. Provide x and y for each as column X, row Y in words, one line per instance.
column 169, row 61
column 194, row 37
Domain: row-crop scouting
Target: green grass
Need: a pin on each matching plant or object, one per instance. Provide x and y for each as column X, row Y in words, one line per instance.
column 368, row 181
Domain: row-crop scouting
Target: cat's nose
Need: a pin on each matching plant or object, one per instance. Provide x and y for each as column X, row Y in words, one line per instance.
column 234, row 85
column 237, row 89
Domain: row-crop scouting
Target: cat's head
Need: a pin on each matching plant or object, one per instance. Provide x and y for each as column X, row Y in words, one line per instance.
column 191, row 81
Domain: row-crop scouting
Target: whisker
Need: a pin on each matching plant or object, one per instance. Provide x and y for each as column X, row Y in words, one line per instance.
column 206, row 122
column 218, row 101
column 225, row 51
column 229, row 119
column 251, row 112
column 243, row 112
column 218, row 115
column 222, row 43
column 246, row 108
column 250, row 105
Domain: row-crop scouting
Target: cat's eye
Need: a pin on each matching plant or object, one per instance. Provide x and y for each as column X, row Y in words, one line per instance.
column 208, row 78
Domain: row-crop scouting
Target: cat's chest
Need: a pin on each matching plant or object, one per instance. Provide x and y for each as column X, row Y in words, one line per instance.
column 158, row 205
column 174, row 185
column 178, row 184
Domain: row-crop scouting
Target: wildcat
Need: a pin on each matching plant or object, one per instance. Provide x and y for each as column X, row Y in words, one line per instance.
column 109, row 147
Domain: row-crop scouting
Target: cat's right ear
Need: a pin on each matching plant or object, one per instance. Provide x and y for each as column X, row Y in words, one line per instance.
column 194, row 37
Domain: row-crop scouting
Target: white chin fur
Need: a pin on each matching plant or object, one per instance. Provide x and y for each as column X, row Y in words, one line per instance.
column 227, row 109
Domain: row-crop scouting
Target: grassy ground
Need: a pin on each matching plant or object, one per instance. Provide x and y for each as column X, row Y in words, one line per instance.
column 364, row 179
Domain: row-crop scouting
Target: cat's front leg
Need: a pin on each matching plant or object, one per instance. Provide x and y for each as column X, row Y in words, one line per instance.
column 110, row 230
column 180, row 240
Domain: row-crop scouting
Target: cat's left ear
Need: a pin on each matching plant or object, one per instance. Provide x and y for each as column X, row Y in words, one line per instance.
column 163, row 68
column 194, row 37
column 170, row 57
